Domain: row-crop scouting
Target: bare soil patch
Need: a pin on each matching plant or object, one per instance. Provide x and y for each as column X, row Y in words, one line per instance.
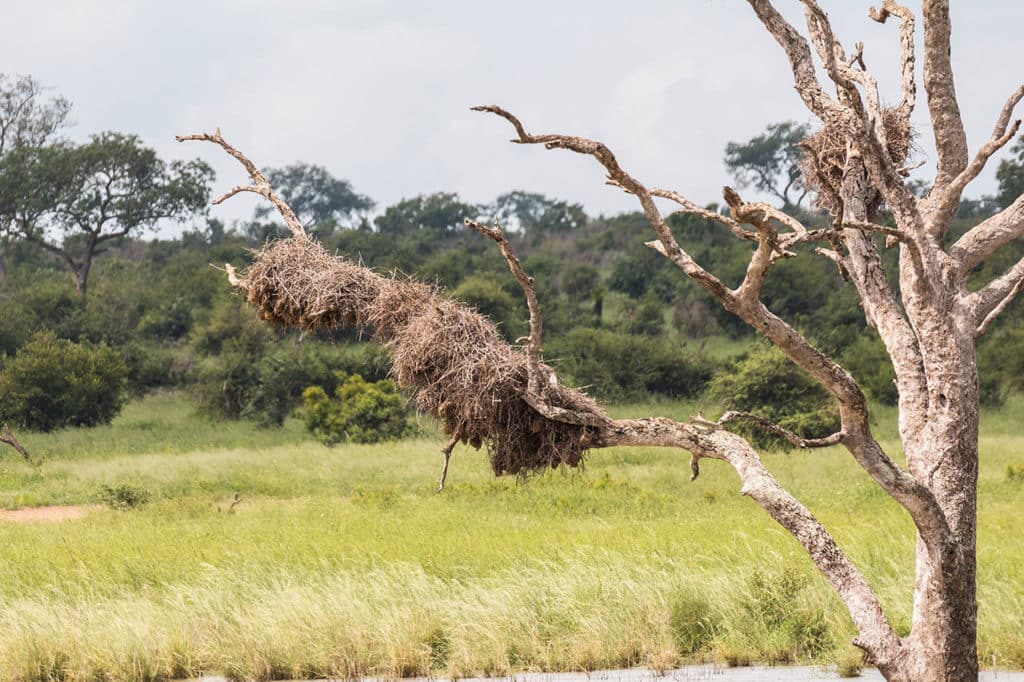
column 51, row 513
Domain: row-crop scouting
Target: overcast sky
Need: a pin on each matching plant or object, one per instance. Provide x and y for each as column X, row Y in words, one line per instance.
column 378, row 92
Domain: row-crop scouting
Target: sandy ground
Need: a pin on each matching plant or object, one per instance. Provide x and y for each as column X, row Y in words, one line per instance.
column 55, row 513
column 701, row 673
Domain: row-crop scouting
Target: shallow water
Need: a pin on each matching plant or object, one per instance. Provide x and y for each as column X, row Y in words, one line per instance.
column 700, row 673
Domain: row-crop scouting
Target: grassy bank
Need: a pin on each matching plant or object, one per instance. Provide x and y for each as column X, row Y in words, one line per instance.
column 344, row 562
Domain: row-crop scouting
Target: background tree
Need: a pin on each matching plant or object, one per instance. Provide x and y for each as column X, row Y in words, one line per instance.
column 73, row 200
column 770, row 162
column 26, row 121
column 433, row 215
column 321, row 201
column 536, row 214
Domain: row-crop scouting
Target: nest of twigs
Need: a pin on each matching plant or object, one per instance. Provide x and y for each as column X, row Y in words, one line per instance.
column 824, row 156
column 450, row 357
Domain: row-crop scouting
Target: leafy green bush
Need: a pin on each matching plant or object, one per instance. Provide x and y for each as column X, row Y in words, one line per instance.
column 123, row 495
column 153, row 365
column 870, row 365
column 648, row 318
column 260, row 377
column 52, row 383
column 487, row 294
column 363, row 412
column 618, row 366
column 169, row 320
column 766, row 383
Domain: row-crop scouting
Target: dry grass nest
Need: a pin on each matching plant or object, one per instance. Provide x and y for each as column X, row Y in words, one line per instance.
column 825, row 153
column 449, row 357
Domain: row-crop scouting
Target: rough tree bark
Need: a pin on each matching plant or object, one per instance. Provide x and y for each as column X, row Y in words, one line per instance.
column 929, row 325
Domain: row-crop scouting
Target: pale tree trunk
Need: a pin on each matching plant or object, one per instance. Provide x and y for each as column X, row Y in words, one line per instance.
column 944, row 452
column 929, row 325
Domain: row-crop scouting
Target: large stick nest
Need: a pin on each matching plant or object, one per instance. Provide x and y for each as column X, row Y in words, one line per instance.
column 824, row 160
column 450, row 357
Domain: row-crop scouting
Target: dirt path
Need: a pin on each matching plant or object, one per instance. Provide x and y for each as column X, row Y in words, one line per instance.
column 53, row 513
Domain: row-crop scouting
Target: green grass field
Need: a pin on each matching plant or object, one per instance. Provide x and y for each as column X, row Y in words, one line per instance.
column 344, row 562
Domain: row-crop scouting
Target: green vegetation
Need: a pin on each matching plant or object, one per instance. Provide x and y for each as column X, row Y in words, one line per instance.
column 361, row 412
column 213, row 546
column 54, row 382
column 344, row 562
column 769, row 385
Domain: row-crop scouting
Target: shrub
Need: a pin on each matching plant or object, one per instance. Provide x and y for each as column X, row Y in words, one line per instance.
column 487, row 294
column 691, row 622
column 870, row 365
column 1015, row 472
column 123, row 495
column 52, row 383
column 617, row 366
column 262, row 380
column 169, row 320
column 152, row 366
column 648, row 318
column 363, row 412
column 766, row 383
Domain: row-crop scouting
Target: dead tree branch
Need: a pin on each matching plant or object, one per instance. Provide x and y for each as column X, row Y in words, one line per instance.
column 876, row 636
column 987, row 237
column 768, row 425
column 990, row 301
column 947, row 123
column 7, row 436
column 533, row 345
column 447, row 452
column 691, row 208
column 944, row 200
column 908, row 83
column 260, row 184
column 906, row 490
column 536, row 383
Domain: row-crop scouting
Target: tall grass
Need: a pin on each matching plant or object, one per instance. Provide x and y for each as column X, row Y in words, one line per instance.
column 344, row 562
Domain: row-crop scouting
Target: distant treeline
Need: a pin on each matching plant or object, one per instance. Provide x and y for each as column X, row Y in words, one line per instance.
column 77, row 270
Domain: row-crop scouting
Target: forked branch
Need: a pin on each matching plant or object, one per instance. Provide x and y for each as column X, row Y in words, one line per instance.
column 946, row 198
column 536, row 383
column 768, row 425
column 876, row 636
column 260, row 184
column 908, row 83
column 620, row 178
column 990, row 301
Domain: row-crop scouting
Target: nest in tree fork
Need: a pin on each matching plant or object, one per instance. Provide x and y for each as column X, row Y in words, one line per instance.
column 825, row 157
column 450, row 357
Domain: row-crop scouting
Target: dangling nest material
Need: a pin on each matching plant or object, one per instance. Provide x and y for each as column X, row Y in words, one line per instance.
column 450, row 357
column 825, row 155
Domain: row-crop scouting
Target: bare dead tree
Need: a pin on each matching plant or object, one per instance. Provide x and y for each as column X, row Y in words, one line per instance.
column 856, row 163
